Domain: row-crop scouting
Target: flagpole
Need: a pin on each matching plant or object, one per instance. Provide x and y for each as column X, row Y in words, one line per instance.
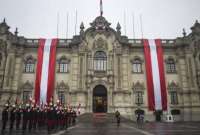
column 133, row 19
column 75, row 22
column 125, row 22
column 141, row 26
column 67, row 28
column 57, row 25
column 101, row 8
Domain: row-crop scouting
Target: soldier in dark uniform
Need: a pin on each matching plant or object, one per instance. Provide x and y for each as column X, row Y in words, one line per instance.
column 74, row 117
column 40, row 118
column 12, row 117
column 35, row 117
column 70, row 117
column 25, row 117
column 18, row 117
column 117, row 115
column 30, row 118
column 61, row 118
column 50, row 118
column 44, row 117
column 4, row 117
column 66, row 118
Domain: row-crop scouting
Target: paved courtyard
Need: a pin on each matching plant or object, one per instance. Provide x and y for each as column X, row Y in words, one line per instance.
column 92, row 125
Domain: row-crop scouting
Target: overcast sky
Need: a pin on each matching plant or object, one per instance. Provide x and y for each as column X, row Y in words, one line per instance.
column 160, row 18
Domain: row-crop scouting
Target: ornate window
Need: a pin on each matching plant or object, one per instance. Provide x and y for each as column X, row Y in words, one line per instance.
column 26, row 96
column 0, row 59
column 138, row 97
column 61, row 97
column 29, row 65
column 173, row 91
column 138, row 90
column 174, row 97
column 27, row 91
column 63, row 65
column 171, row 65
column 199, row 58
column 100, row 61
column 136, row 65
column 62, row 91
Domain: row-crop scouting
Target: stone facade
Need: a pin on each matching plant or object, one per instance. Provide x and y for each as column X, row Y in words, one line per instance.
column 125, row 84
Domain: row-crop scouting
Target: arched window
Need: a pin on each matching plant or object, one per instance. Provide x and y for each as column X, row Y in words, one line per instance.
column 100, row 61
column 29, row 65
column 27, row 89
column 138, row 90
column 136, row 66
column 199, row 58
column 173, row 91
column 171, row 66
column 0, row 59
column 61, row 97
column 62, row 90
column 63, row 65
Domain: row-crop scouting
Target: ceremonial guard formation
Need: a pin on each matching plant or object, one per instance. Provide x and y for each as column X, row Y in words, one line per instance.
column 30, row 117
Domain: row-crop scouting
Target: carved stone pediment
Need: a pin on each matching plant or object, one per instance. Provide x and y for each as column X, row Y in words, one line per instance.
column 62, row 86
column 63, row 59
column 27, row 86
column 173, row 86
column 138, row 86
column 29, row 59
column 100, row 44
column 100, row 23
column 2, row 45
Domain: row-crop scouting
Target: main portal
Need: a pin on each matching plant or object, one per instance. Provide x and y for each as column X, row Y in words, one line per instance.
column 100, row 99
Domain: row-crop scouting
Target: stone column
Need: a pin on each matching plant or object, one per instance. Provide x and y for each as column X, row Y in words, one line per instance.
column 182, row 70
column 74, row 70
column 124, row 63
column 18, row 69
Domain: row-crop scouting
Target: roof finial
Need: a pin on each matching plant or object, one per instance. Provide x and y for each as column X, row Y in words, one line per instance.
column 184, row 32
column 16, row 31
column 4, row 20
column 118, row 28
column 101, row 8
column 82, row 28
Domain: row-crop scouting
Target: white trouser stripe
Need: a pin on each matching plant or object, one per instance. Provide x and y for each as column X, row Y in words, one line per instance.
column 155, row 75
column 45, row 69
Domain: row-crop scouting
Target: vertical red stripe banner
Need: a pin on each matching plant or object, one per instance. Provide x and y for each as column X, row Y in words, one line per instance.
column 149, row 79
column 45, row 74
column 39, row 70
column 155, row 75
column 162, row 73
column 51, row 77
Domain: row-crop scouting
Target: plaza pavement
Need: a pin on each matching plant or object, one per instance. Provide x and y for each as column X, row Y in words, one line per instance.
column 106, row 125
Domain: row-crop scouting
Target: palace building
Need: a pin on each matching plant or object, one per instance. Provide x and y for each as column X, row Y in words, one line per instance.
column 104, row 71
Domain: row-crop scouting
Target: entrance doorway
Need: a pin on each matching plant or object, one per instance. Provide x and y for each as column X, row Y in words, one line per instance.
column 99, row 99
column 158, row 115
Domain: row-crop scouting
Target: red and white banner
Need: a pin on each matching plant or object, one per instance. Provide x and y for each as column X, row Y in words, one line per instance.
column 44, row 83
column 155, row 75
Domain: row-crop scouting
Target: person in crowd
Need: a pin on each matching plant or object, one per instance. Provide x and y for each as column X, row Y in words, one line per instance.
column 117, row 116
column 25, row 117
column 12, row 116
column 4, row 117
column 74, row 117
column 19, row 113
